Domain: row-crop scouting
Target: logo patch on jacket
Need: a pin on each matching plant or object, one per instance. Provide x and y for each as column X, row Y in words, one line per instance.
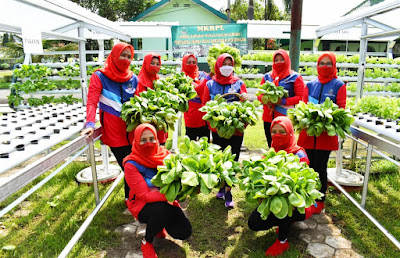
column 129, row 89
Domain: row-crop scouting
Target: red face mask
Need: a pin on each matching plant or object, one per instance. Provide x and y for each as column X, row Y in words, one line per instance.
column 279, row 67
column 149, row 148
column 153, row 70
column 190, row 68
column 123, row 64
column 280, row 139
column 325, row 71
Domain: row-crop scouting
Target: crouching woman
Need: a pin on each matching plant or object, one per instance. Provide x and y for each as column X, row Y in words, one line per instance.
column 146, row 203
column 283, row 138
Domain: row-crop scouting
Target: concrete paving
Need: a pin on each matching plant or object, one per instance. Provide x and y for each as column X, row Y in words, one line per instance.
column 323, row 238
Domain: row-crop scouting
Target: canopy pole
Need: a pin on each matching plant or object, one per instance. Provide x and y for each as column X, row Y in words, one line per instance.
column 82, row 65
column 295, row 34
column 362, row 60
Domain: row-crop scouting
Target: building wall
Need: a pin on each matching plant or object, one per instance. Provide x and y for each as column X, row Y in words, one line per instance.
column 176, row 11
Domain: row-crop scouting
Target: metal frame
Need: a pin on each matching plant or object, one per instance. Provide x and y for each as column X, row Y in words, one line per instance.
column 31, row 172
column 372, row 140
column 364, row 19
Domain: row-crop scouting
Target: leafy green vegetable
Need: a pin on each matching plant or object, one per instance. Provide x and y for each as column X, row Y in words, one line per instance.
column 197, row 167
column 229, row 117
column 179, row 85
column 215, row 51
column 318, row 118
column 271, row 93
column 280, row 183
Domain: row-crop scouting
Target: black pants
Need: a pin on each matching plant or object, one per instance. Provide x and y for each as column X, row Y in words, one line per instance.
column 256, row 223
column 198, row 132
column 235, row 142
column 319, row 162
column 267, row 131
column 159, row 215
column 120, row 153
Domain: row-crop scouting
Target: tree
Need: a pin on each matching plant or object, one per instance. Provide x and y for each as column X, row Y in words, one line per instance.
column 116, row 10
column 5, row 39
column 239, row 10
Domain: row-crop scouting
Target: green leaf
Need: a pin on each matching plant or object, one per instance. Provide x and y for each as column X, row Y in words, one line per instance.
column 210, row 180
column 276, row 205
column 190, row 178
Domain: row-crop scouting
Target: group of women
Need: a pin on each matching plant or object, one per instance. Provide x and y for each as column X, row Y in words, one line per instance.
column 140, row 152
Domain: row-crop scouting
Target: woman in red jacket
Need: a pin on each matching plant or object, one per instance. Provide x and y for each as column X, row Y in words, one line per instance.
column 281, row 75
column 196, row 127
column 146, row 203
column 283, row 138
column 147, row 75
column 110, row 87
column 319, row 148
column 225, row 82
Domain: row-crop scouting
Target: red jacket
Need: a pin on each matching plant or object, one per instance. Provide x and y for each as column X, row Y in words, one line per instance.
column 140, row 194
column 113, row 127
column 324, row 141
column 194, row 117
column 294, row 84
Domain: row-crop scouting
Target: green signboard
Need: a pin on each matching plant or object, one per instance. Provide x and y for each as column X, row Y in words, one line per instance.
column 197, row 39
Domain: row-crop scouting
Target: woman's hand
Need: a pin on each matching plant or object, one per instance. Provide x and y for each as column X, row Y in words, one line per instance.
column 87, row 131
column 244, row 96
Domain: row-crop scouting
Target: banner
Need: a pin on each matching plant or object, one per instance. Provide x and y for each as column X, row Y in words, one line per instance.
column 198, row 39
column 32, row 40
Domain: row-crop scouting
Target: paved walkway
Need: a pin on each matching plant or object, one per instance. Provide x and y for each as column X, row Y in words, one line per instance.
column 322, row 237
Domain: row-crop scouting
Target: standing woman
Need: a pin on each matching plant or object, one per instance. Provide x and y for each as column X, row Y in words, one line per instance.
column 225, row 82
column 196, row 127
column 147, row 75
column 283, row 138
column 146, row 203
column 281, row 75
column 319, row 148
column 110, row 87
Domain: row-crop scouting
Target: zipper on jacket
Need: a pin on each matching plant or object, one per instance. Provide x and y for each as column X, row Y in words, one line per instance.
column 122, row 101
column 319, row 101
column 320, row 93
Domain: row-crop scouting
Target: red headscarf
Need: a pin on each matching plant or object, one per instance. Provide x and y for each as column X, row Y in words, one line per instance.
column 218, row 77
column 325, row 73
column 280, row 70
column 116, row 69
column 149, row 154
column 148, row 73
column 285, row 142
column 190, row 70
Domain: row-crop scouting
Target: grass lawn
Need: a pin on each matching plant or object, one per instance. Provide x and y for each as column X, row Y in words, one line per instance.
column 4, row 85
column 60, row 207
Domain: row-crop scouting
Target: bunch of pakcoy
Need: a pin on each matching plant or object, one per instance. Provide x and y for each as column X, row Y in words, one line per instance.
column 229, row 117
column 318, row 118
column 198, row 166
column 216, row 50
column 280, row 183
column 159, row 107
column 271, row 93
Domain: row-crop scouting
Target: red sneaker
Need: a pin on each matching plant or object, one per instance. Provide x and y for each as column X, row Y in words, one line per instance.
column 319, row 208
column 310, row 211
column 148, row 250
column 162, row 234
column 277, row 248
